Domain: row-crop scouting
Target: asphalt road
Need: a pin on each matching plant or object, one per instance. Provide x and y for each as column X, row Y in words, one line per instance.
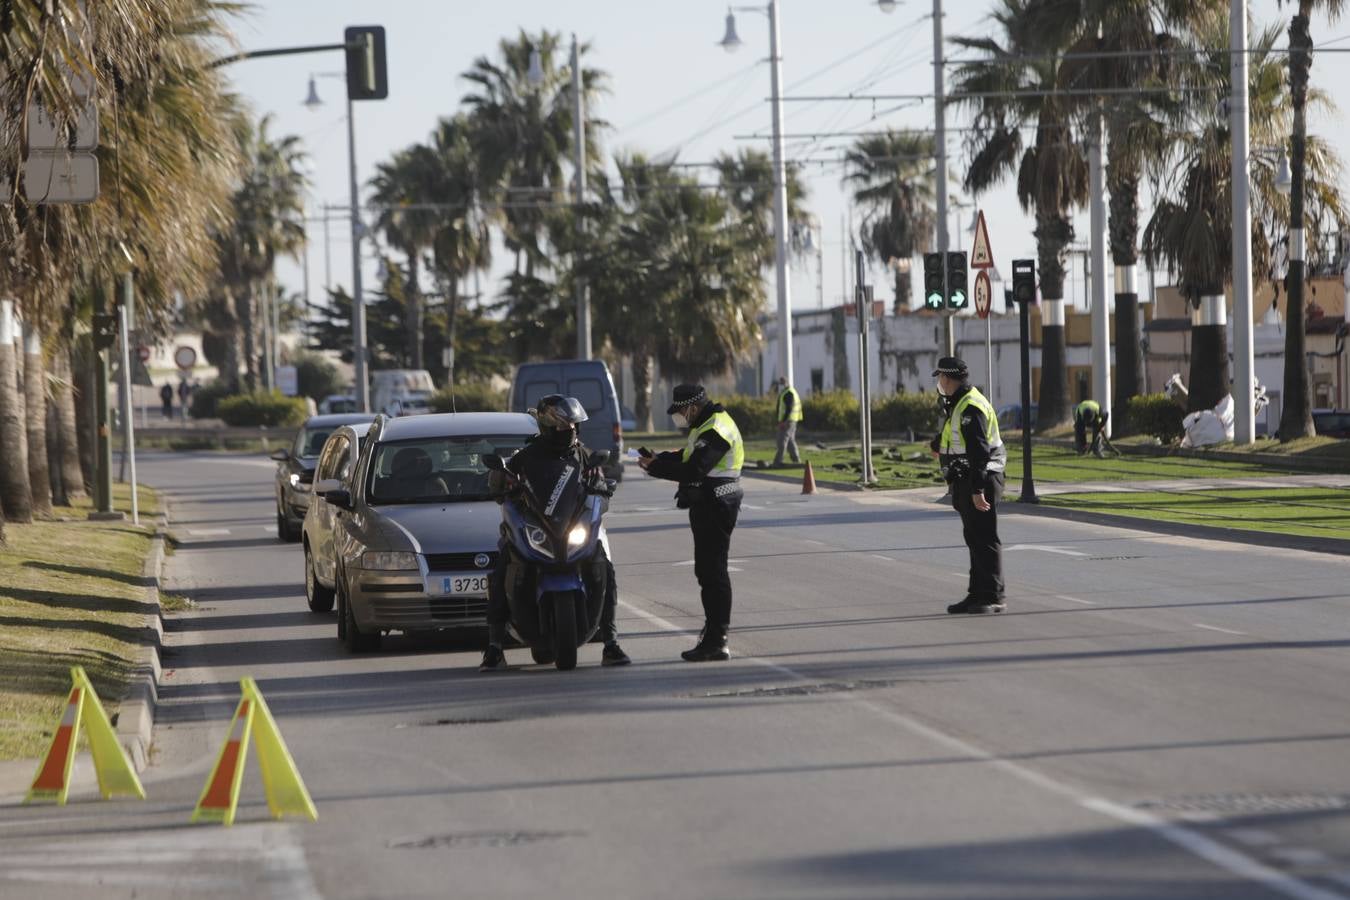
column 1153, row 717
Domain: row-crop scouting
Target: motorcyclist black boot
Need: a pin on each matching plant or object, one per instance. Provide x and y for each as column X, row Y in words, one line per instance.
column 711, row 646
column 494, row 660
column 613, row 655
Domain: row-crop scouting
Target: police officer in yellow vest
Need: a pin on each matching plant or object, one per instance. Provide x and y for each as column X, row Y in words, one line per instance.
column 709, row 472
column 788, row 415
column 973, row 458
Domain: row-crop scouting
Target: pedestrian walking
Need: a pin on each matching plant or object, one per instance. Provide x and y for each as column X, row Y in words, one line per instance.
column 973, row 457
column 166, row 400
column 708, row 470
column 789, row 413
column 184, row 394
column 1088, row 414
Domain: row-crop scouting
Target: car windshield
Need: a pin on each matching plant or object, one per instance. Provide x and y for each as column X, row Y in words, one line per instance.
column 435, row 470
column 340, row 405
column 310, row 441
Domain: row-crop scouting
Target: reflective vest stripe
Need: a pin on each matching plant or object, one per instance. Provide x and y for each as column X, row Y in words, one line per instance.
column 954, row 444
column 729, row 466
column 795, row 415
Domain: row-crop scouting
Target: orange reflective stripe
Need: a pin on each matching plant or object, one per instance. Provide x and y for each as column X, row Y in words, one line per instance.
column 218, row 792
column 53, row 774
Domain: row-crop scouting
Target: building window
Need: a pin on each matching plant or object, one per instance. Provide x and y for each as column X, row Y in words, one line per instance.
column 817, row 380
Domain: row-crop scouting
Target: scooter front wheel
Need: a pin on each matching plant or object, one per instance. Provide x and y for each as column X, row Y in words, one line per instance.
column 564, row 630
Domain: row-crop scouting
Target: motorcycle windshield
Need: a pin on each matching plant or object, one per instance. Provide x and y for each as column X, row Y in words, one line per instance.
column 558, row 489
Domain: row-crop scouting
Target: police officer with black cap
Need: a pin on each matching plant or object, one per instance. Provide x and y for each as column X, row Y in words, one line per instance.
column 709, row 472
column 973, row 457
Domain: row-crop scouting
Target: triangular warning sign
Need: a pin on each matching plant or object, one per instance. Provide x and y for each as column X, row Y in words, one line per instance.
column 981, row 256
column 115, row 773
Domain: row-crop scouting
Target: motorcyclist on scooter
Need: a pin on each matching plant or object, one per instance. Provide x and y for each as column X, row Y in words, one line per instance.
column 558, row 417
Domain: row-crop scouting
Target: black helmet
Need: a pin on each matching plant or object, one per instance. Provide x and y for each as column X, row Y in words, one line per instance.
column 557, row 411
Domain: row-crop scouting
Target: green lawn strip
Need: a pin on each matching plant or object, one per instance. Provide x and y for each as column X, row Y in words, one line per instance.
column 1312, row 512
column 71, row 593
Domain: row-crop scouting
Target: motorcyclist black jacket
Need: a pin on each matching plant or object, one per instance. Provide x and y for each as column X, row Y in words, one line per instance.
column 969, row 447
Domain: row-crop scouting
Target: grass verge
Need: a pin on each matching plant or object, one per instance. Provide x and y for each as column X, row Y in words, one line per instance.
column 71, row 593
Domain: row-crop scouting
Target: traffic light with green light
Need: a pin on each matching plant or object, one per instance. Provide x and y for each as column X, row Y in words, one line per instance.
column 934, row 291
column 367, row 78
column 958, row 297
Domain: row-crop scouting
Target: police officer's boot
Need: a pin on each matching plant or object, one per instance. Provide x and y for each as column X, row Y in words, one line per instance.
column 711, row 646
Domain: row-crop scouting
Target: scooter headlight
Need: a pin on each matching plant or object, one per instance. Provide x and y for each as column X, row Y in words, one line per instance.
column 538, row 540
column 577, row 536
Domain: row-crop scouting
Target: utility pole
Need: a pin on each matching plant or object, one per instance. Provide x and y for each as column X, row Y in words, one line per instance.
column 940, row 159
column 360, row 357
column 579, row 161
column 780, row 203
column 1101, row 318
column 1244, row 372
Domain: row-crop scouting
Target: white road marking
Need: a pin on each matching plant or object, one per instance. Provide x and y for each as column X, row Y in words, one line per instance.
column 810, row 541
column 1217, row 628
column 690, row 562
column 1044, row 549
column 270, row 529
column 207, row 532
column 1192, row 841
column 1076, row 600
column 1299, row 856
column 734, row 569
column 879, row 556
column 1253, row 837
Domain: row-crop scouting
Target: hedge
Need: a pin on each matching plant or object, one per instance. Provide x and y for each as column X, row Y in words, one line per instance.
column 836, row 412
column 262, row 408
column 1156, row 415
column 469, row 397
column 205, row 397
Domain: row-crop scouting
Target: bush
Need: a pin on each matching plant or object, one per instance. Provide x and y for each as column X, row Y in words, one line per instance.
column 261, row 408
column 205, row 399
column 833, row 411
column 753, row 415
column 1156, row 415
column 316, row 376
column 470, row 396
column 897, row 413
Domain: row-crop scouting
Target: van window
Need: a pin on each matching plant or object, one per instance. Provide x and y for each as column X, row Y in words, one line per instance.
column 537, row 390
column 587, row 390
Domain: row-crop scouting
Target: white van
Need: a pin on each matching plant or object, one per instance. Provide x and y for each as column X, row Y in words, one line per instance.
column 400, row 392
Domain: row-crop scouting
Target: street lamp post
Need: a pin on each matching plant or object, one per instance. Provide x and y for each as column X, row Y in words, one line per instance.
column 1244, row 364
column 780, row 233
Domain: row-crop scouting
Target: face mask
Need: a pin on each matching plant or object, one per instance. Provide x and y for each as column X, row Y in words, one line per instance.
column 680, row 419
column 940, row 389
column 561, row 438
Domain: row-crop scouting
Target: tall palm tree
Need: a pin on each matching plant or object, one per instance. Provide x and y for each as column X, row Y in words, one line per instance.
column 1191, row 227
column 402, row 187
column 892, row 179
column 1052, row 177
column 1296, row 413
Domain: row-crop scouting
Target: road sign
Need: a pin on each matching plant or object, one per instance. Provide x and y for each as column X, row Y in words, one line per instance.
column 981, row 256
column 44, row 133
column 58, row 178
column 984, row 294
column 143, row 353
column 185, row 357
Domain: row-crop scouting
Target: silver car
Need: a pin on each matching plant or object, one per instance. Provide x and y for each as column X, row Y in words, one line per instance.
column 337, row 462
column 415, row 535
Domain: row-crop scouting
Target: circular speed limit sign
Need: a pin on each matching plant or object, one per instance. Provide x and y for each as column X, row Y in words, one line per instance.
column 984, row 294
column 185, row 357
column 143, row 353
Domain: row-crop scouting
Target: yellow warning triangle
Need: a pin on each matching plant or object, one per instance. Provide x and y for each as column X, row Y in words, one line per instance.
column 285, row 789
column 115, row 773
column 286, row 793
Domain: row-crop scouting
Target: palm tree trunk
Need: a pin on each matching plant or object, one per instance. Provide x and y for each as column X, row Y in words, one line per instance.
column 415, row 324
column 35, row 408
column 902, row 292
column 451, row 322
column 1209, row 354
column 1053, row 234
column 15, row 496
column 82, row 360
column 1296, row 412
column 1123, row 228
column 66, row 451
column 642, row 391
column 245, row 304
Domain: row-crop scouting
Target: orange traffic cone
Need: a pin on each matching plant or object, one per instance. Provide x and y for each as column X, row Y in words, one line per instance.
column 808, row 480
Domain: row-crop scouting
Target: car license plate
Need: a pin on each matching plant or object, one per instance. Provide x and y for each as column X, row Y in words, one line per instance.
column 475, row 585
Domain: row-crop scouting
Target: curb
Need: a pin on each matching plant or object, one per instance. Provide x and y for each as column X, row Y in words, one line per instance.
column 136, row 713
column 793, row 479
column 1206, row 532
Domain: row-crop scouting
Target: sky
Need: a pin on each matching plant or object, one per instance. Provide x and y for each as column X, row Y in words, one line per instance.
column 672, row 88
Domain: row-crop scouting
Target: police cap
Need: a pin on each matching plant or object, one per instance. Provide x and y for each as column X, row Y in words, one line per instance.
column 686, row 395
column 952, row 367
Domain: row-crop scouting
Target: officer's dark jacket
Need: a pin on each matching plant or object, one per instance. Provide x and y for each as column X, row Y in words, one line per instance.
column 692, row 474
column 979, row 454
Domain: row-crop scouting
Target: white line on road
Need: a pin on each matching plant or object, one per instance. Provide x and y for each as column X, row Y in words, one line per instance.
column 1044, row 549
column 1198, row 844
column 1076, row 600
column 1217, row 628
column 811, row 541
column 879, row 556
column 270, row 529
column 207, row 532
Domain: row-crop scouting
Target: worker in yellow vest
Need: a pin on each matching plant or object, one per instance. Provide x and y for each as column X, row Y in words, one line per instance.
column 709, row 472
column 973, row 457
column 1088, row 414
column 789, row 413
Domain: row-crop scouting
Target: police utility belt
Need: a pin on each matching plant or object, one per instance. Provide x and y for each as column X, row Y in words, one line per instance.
column 955, row 468
column 709, row 489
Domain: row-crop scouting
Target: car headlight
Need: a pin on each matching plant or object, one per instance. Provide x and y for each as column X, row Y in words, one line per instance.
column 538, row 539
column 577, row 536
column 298, row 485
column 388, row 560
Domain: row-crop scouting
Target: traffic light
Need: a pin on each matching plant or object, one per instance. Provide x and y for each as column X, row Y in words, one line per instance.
column 367, row 78
column 934, row 291
column 957, row 294
column 1024, row 280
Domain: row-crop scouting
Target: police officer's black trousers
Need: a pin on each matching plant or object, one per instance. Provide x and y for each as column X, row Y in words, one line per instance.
column 980, row 530
column 712, row 522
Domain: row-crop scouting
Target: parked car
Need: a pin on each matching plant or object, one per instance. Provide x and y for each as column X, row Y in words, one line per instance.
column 588, row 380
column 337, row 403
column 336, row 464
column 1010, row 416
column 295, row 470
column 1332, row 422
column 418, row 404
column 416, row 528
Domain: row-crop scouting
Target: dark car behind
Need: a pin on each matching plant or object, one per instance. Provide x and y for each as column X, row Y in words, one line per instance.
column 295, row 469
